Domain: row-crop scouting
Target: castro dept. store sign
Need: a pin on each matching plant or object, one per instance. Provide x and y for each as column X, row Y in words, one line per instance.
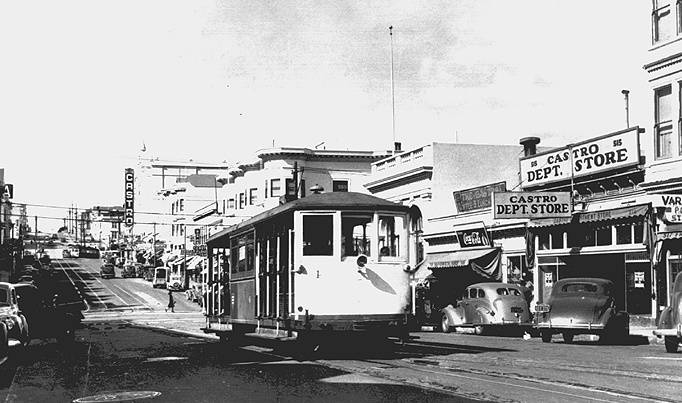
column 608, row 152
column 531, row 204
column 129, row 198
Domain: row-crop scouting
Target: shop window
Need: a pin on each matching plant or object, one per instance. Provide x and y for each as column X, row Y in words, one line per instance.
column 318, row 233
column 543, row 240
column 623, row 234
column 356, row 233
column 663, row 130
column 639, row 232
column 556, row 239
column 604, row 236
column 390, row 229
column 663, row 23
column 230, row 204
column 242, row 200
column 517, row 272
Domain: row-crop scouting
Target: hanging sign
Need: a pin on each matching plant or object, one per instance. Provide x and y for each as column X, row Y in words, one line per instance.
column 473, row 237
column 604, row 153
column 531, row 204
column 672, row 205
column 129, row 198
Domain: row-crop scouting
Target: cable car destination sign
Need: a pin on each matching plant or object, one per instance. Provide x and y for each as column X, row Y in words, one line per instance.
column 531, row 204
column 612, row 151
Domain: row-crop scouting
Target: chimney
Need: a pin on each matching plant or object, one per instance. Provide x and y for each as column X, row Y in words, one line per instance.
column 397, row 147
column 529, row 145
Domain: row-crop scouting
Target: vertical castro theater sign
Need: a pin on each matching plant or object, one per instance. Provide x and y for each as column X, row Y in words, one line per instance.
column 616, row 150
column 129, row 199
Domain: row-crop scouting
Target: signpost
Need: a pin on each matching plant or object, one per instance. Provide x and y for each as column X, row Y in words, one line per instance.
column 531, row 204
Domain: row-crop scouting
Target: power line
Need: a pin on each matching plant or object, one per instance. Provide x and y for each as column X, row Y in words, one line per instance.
column 136, row 212
column 121, row 222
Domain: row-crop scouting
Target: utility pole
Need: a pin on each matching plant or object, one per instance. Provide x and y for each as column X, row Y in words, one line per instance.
column 154, row 247
column 626, row 93
column 36, row 235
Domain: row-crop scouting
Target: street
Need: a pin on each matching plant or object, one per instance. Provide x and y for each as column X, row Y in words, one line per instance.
column 130, row 345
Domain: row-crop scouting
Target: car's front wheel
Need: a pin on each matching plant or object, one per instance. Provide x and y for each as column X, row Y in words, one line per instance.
column 671, row 344
column 546, row 336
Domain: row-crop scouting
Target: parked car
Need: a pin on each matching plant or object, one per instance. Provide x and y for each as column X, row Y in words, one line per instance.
column 487, row 305
column 670, row 322
column 13, row 323
column 48, row 319
column 175, row 282
column 582, row 306
column 107, row 271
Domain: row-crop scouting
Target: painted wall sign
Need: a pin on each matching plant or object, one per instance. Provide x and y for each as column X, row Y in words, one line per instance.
column 531, row 204
column 476, row 198
column 604, row 153
column 639, row 279
column 473, row 237
column 129, row 198
column 672, row 205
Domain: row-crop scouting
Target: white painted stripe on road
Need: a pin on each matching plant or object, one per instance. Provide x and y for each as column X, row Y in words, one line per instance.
column 135, row 297
column 101, row 301
column 663, row 358
column 74, row 286
column 149, row 299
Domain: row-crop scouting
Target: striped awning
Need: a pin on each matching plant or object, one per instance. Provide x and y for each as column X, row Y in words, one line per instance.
column 593, row 216
column 460, row 258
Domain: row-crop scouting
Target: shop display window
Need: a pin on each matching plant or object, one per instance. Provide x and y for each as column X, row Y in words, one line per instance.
column 623, row 234
column 604, row 236
column 543, row 240
column 639, row 232
column 517, row 272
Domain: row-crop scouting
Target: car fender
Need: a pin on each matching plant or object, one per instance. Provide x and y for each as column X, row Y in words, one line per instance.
column 665, row 321
column 454, row 315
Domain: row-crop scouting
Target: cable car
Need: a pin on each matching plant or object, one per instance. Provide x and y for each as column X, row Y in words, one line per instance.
column 327, row 263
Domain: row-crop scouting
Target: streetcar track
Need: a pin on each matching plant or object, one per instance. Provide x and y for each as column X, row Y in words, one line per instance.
column 83, row 281
column 87, row 306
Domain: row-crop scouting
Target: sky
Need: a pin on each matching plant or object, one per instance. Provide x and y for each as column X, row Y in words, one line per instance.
column 84, row 84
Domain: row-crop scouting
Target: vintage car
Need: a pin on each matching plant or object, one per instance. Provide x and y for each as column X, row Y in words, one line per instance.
column 581, row 306
column 12, row 322
column 107, row 271
column 487, row 305
column 50, row 318
column 670, row 322
column 128, row 270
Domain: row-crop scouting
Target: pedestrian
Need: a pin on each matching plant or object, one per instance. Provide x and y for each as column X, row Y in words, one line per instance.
column 171, row 302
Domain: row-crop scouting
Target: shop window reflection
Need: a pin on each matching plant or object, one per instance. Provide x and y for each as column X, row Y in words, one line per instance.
column 639, row 232
column 623, row 234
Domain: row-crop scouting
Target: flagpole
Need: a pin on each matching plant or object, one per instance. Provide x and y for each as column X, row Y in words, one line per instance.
column 390, row 33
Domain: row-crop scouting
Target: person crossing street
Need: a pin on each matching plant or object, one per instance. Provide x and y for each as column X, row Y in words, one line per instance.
column 171, row 302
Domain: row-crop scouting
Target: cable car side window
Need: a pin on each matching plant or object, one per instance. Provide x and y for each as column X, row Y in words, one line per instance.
column 390, row 230
column 356, row 232
column 243, row 253
column 318, row 235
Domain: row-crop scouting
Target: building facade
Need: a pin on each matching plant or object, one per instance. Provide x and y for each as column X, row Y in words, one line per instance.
column 664, row 167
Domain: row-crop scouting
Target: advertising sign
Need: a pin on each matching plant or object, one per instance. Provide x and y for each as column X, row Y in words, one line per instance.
column 531, row 204
column 616, row 150
column 8, row 190
column 129, row 198
column 473, row 237
column 673, row 207
column 478, row 197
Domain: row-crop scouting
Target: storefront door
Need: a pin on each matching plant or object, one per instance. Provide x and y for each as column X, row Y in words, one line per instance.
column 638, row 280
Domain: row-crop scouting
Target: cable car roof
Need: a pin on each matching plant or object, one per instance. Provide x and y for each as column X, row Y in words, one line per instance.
column 322, row 201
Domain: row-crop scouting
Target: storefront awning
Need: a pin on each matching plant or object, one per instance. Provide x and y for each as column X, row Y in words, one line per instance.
column 593, row 216
column 670, row 231
column 484, row 262
column 460, row 258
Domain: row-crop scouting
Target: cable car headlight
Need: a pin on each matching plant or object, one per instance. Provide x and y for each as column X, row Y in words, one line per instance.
column 361, row 262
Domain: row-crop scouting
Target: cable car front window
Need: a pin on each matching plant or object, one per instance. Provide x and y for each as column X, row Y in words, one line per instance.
column 390, row 230
column 318, row 235
column 356, row 232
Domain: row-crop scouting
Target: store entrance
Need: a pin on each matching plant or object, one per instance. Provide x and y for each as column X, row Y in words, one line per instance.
column 608, row 266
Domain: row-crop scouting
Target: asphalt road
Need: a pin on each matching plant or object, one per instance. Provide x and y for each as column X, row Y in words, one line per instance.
column 130, row 344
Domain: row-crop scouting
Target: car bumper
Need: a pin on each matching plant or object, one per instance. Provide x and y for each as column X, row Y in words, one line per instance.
column 675, row 332
column 582, row 326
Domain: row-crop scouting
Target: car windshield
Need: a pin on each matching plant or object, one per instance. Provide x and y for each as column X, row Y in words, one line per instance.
column 508, row 291
column 3, row 297
column 579, row 287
